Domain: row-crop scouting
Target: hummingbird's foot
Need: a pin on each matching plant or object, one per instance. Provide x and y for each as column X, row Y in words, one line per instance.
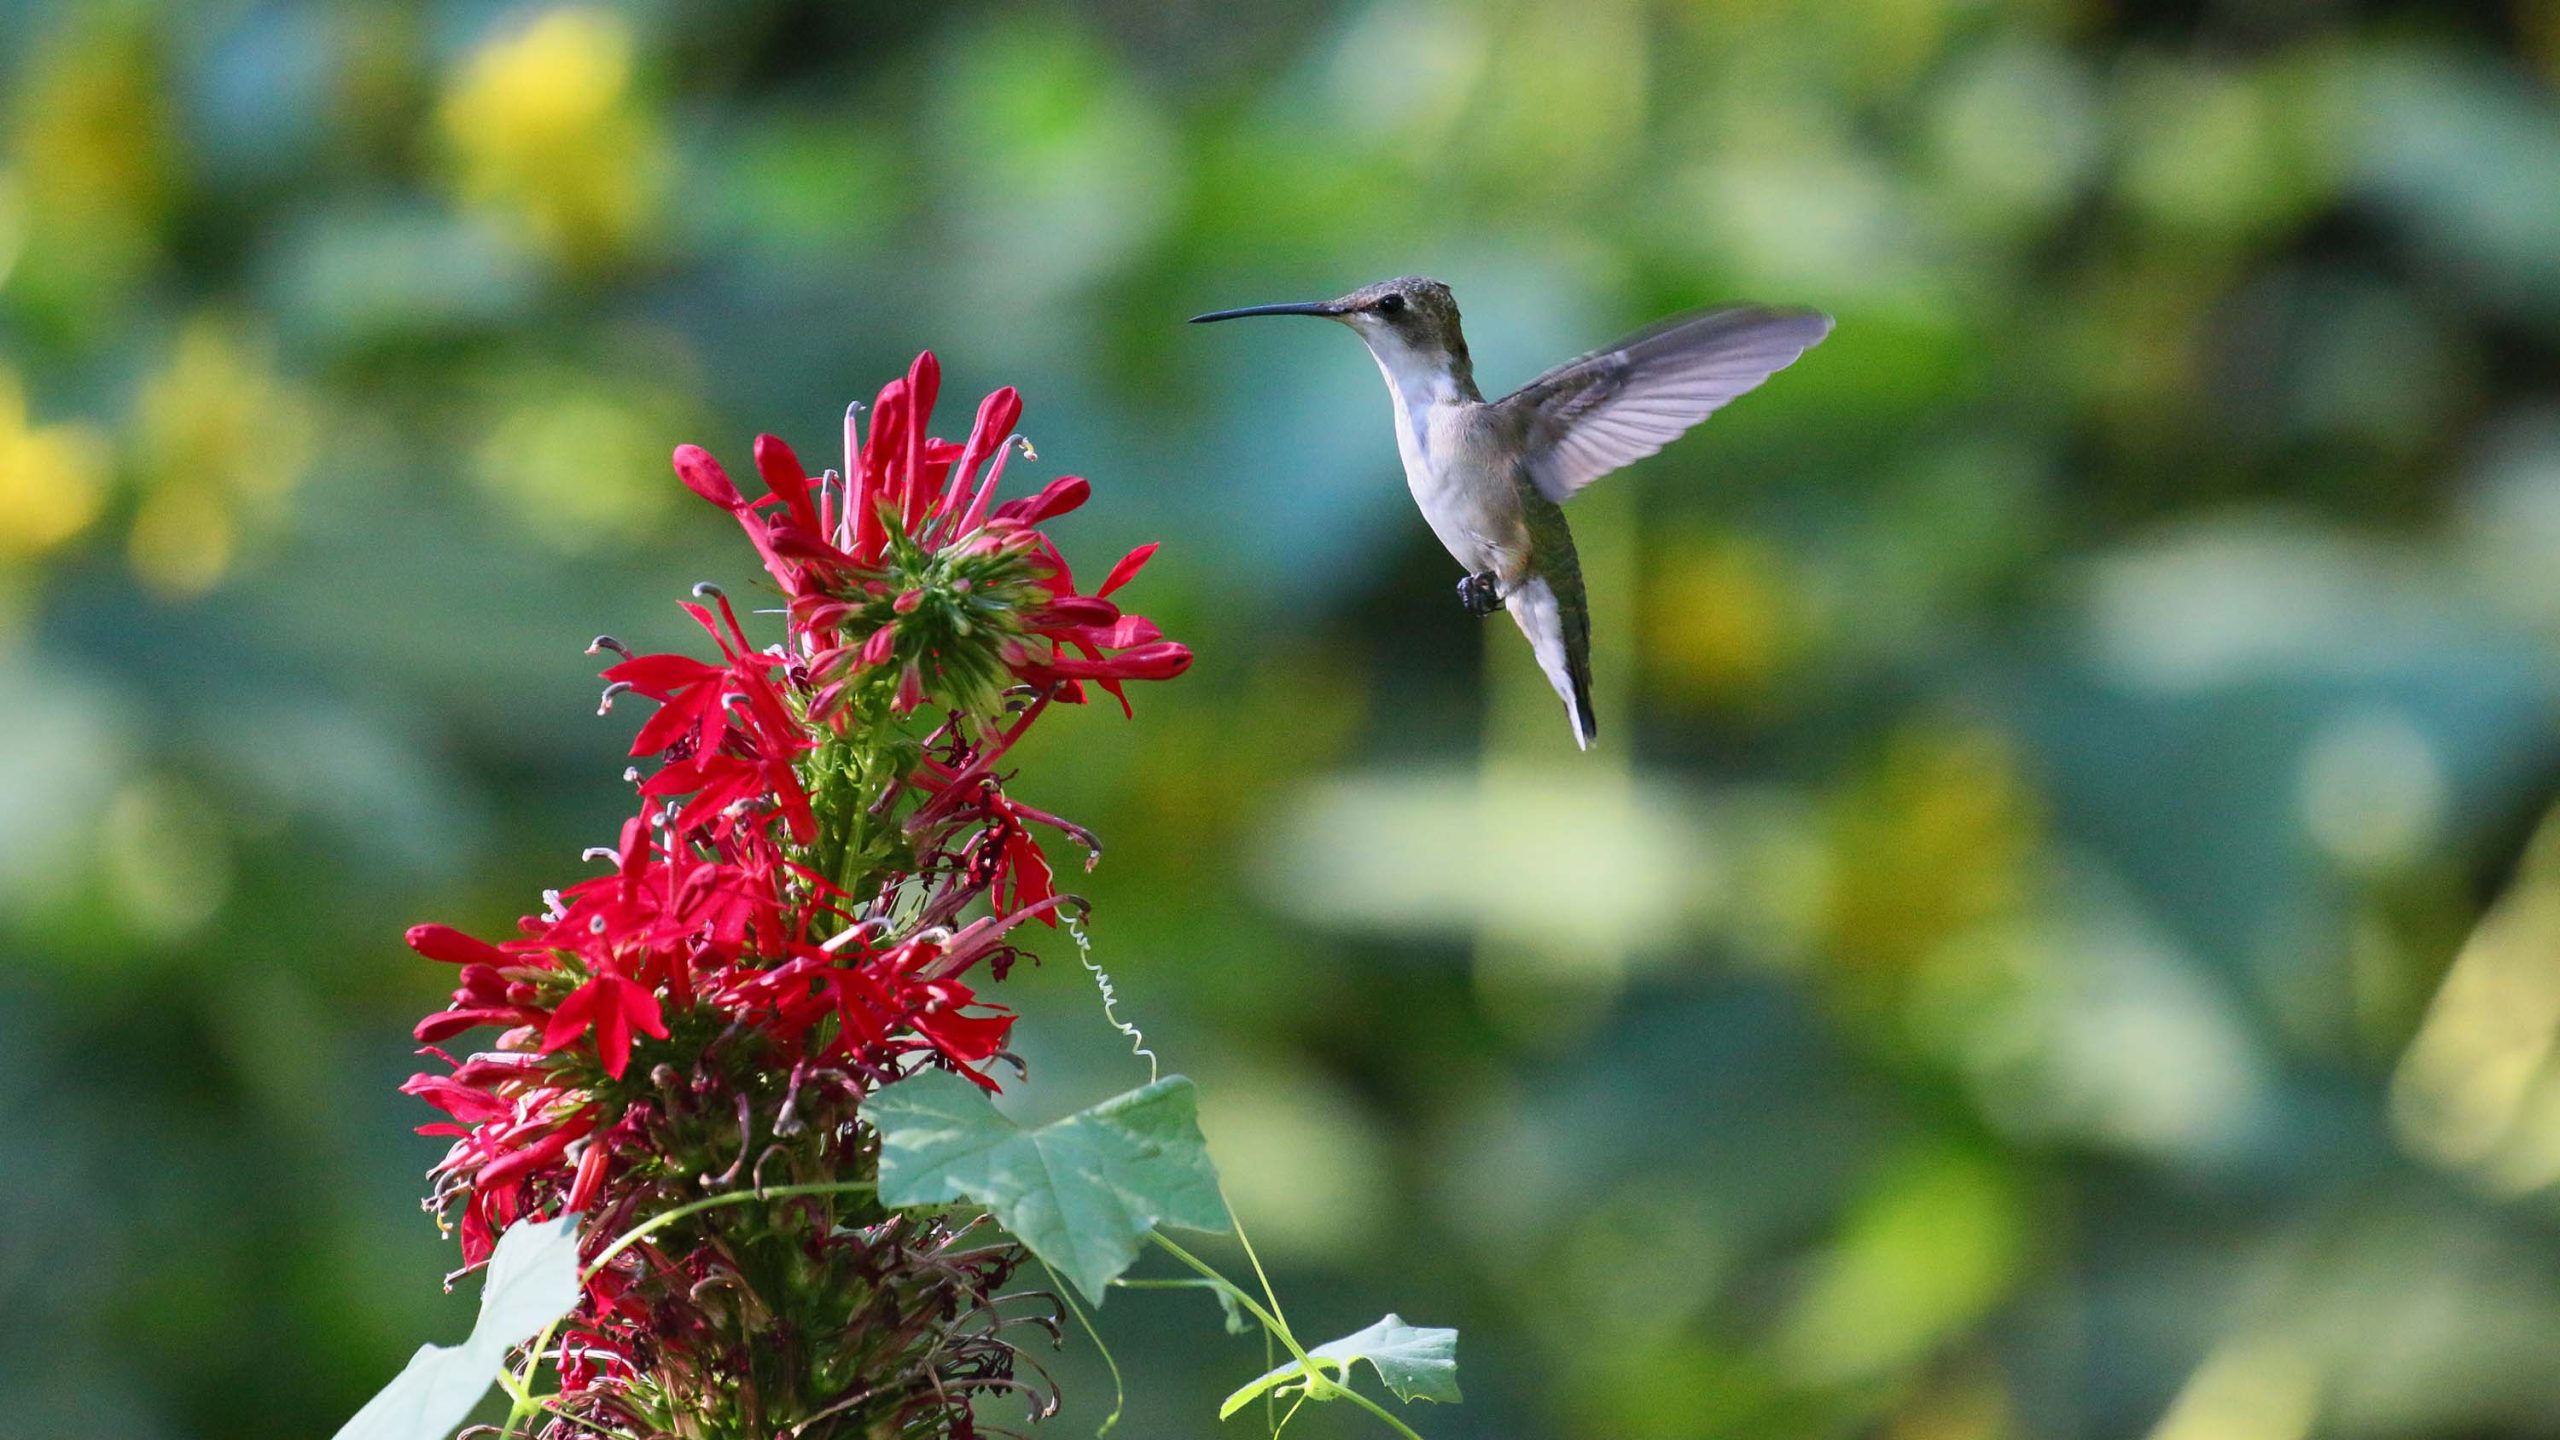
column 1481, row 593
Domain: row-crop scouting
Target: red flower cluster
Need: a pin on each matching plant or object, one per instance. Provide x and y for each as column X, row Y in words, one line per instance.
column 921, row 570
column 785, row 916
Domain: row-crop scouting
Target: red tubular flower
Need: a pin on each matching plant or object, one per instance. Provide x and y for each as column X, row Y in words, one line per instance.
column 703, row 476
column 443, row 942
column 782, row 923
column 612, row 1007
column 920, row 530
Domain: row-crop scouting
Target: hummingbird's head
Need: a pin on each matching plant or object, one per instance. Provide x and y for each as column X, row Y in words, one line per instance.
column 1411, row 323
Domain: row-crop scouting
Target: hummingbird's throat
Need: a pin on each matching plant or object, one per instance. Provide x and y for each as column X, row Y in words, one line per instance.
column 1422, row 376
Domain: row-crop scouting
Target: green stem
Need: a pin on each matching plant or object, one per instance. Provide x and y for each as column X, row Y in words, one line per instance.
column 517, row 1393
column 1246, row 1241
column 1119, row 1392
column 1270, row 1322
column 525, row 1402
column 1318, row 1385
column 1270, row 1402
column 655, row 1223
column 555, row 1411
column 1381, row 1411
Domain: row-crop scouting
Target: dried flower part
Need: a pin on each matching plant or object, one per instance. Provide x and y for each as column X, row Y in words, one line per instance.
column 823, row 871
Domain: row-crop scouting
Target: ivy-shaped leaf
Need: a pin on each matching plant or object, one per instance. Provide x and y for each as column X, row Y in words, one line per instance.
column 1083, row 1192
column 1418, row 1362
column 532, row 1281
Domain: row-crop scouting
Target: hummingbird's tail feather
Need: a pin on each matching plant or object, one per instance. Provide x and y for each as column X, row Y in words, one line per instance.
column 1559, row 631
column 1586, row 726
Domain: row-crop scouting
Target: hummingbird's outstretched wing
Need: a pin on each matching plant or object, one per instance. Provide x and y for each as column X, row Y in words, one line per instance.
column 1612, row 407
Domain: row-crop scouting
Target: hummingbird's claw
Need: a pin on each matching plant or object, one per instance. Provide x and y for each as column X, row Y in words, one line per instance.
column 1480, row 593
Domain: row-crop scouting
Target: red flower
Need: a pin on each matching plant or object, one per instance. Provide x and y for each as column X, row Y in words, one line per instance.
column 443, row 942
column 920, row 557
column 612, row 1007
column 784, row 912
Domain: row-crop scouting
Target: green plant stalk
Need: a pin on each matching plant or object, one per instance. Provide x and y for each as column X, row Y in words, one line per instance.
column 1246, row 1241
column 1373, row 1407
column 1119, row 1391
column 520, row 1388
column 1278, row 1328
column 1270, row 1402
column 1317, row 1385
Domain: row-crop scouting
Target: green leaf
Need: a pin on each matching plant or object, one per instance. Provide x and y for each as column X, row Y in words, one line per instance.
column 1083, row 1192
column 532, row 1281
column 1418, row 1363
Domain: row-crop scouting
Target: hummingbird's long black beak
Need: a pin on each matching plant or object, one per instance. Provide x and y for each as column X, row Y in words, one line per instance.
column 1310, row 307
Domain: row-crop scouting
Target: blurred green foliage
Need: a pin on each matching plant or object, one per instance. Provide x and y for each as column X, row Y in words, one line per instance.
column 2053, row 942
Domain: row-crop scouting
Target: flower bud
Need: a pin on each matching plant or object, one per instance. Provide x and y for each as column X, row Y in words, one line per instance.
column 443, row 942
column 703, row 476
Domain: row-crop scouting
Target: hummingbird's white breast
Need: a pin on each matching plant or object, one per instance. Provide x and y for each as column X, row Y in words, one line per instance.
column 1454, row 462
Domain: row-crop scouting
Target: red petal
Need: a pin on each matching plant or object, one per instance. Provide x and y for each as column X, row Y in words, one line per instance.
column 870, row 490
column 1132, row 630
column 445, row 1024
column 613, row 1040
column 1077, row 610
column 798, row 545
column 924, row 384
column 986, row 496
column 703, row 476
column 1057, row 498
column 443, row 942
column 574, row 1015
column 1033, row 881
column 656, row 674
column 968, row 1038
column 1161, row 660
column 784, row 476
column 1128, row 568
column 582, row 1191
column 996, row 417
column 498, row 1172
column 677, row 718
column 641, row 1004
column 462, row 1102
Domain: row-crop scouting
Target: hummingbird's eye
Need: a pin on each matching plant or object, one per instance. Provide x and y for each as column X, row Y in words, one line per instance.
column 1390, row 304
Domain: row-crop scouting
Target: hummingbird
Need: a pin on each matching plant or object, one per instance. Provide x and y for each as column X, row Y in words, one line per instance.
column 1492, row 477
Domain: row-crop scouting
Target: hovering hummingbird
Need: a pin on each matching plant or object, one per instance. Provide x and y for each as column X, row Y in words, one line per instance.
column 1492, row 476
